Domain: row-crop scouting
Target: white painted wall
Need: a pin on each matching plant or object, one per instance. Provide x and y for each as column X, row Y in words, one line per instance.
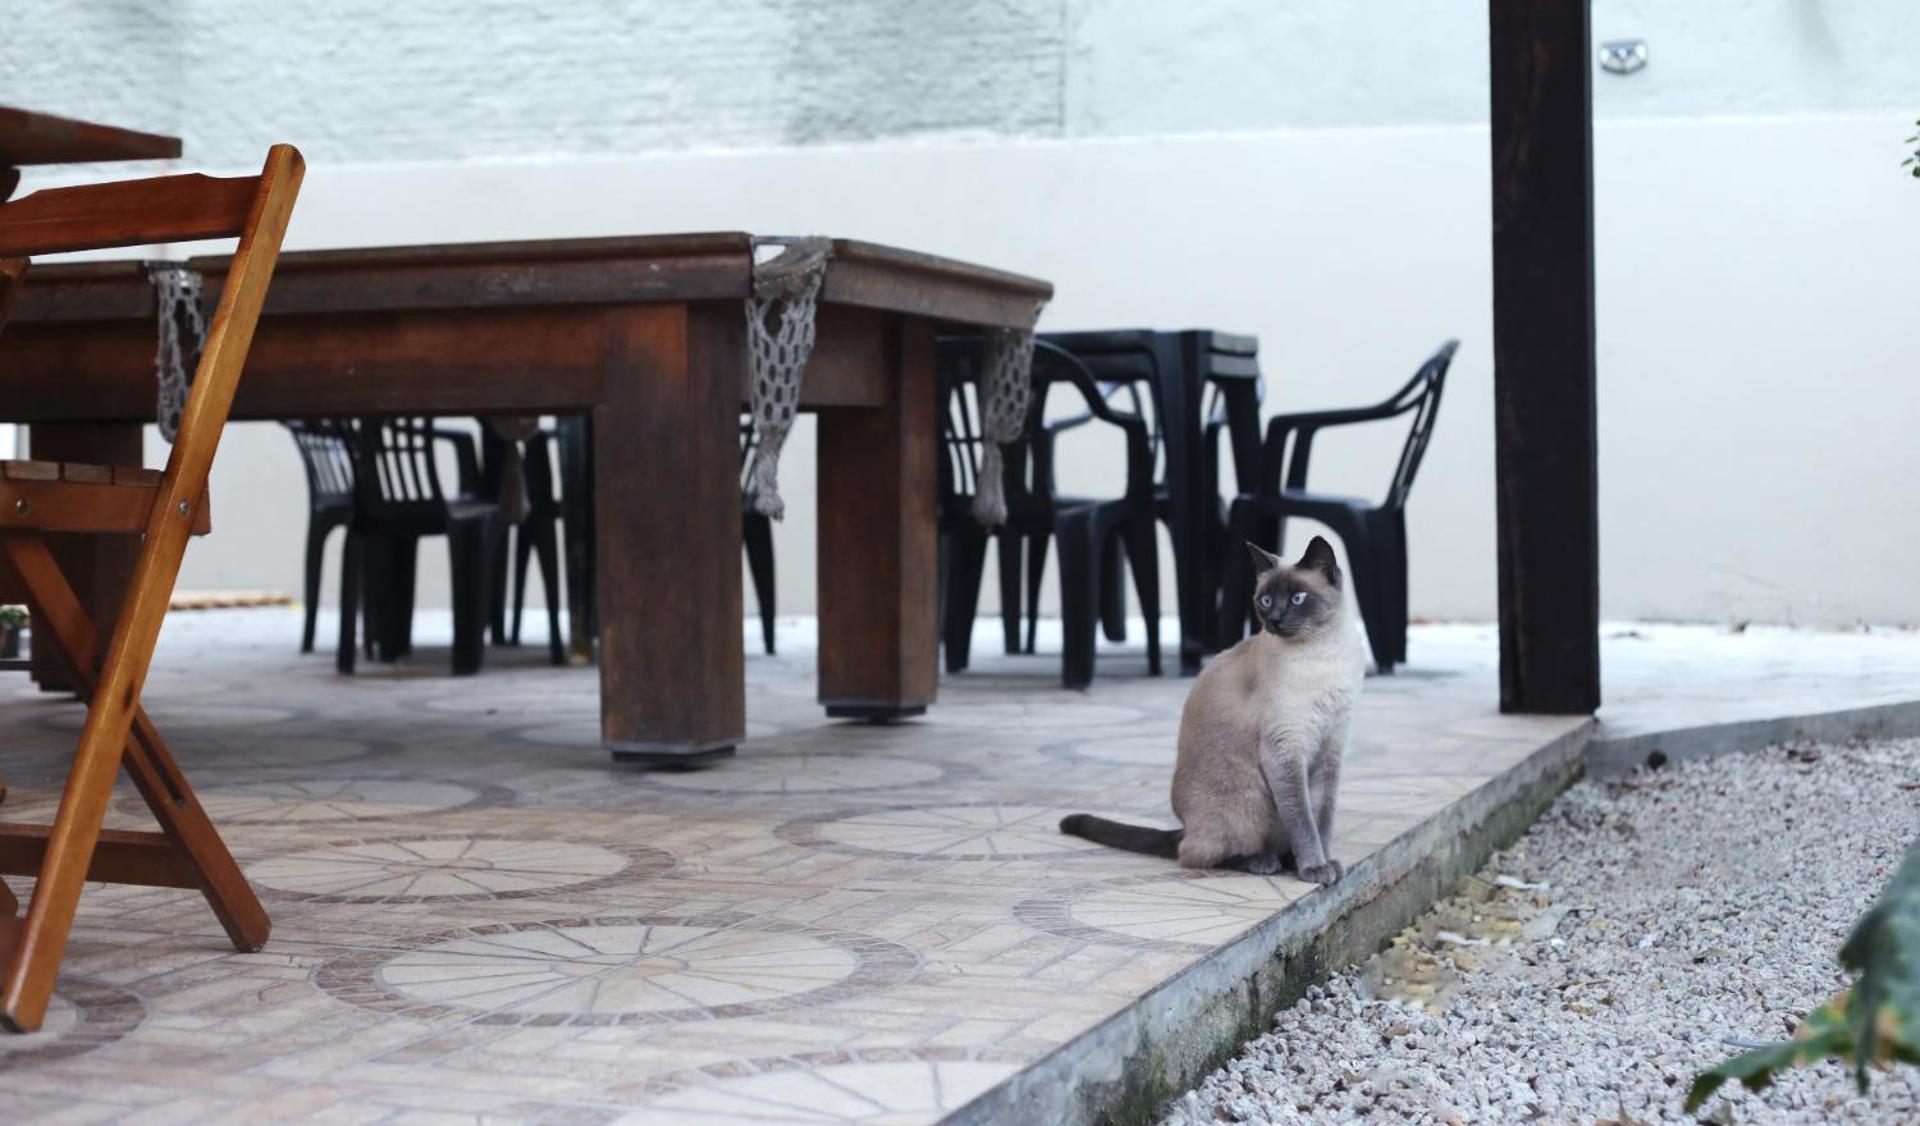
column 1315, row 173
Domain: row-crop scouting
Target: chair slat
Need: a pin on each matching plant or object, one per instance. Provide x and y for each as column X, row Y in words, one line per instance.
column 30, row 470
column 120, row 856
column 126, row 213
column 90, row 499
column 83, row 474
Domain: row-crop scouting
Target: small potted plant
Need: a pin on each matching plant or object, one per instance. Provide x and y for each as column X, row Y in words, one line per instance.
column 11, row 619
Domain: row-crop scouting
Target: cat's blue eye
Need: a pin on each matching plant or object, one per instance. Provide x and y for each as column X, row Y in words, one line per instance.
column 1266, row 602
column 1299, row 597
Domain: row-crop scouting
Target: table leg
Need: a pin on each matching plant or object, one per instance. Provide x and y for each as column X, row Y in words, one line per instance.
column 878, row 545
column 667, row 528
column 100, row 567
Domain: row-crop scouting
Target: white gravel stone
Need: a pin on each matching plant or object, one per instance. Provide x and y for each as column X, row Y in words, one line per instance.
column 1683, row 908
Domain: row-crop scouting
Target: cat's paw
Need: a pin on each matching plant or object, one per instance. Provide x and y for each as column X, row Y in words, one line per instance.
column 1265, row 865
column 1325, row 875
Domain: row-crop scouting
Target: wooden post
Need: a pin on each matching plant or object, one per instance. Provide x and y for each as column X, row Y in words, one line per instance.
column 1543, row 356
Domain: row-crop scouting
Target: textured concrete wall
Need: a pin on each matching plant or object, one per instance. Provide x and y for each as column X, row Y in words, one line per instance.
column 370, row 80
column 378, row 80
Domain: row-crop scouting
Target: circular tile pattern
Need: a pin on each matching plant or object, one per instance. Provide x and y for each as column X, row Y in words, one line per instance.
column 975, row 831
column 871, row 1087
column 1049, row 712
column 626, row 970
column 83, row 1015
column 802, row 774
column 523, row 698
column 584, row 733
column 450, row 869
column 1131, row 750
column 1182, row 911
column 175, row 719
column 314, row 800
column 299, row 751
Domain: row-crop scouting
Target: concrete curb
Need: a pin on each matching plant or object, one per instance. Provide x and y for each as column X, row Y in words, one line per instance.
column 1611, row 755
column 1125, row 1068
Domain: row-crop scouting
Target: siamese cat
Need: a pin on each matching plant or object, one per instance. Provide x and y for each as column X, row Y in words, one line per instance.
column 1262, row 734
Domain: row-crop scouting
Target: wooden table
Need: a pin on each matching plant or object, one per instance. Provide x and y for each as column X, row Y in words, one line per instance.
column 27, row 138
column 647, row 337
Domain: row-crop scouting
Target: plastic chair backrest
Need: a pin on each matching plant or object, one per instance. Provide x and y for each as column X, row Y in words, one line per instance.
column 395, row 470
column 1421, row 395
column 327, row 455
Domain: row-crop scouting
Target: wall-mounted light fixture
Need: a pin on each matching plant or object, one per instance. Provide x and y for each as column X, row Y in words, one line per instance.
column 1623, row 56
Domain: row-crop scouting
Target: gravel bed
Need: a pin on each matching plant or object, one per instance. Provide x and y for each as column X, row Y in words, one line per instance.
column 1681, row 909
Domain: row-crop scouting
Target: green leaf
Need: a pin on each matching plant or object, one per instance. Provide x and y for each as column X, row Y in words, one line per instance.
column 1884, row 949
column 1875, row 1023
column 1823, row 1035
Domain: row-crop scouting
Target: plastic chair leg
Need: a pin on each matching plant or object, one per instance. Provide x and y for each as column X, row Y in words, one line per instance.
column 1079, row 598
column 498, row 573
column 524, row 539
column 966, row 564
column 756, row 533
column 316, row 549
column 352, row 567
column 1113, row 587
column 470, row 549
column 1007, row 546
column 1143, row 555
column 1036, row 573
column 1236, row 579
column 546, row 542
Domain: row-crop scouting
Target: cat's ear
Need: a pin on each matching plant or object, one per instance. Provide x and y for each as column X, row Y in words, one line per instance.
column 1263, row 560
column 1319, row 557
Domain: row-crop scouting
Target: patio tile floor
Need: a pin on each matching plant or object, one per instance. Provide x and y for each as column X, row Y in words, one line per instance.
column 477, row 914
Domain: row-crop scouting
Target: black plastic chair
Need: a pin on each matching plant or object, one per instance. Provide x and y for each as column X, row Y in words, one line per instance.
column 756, row 537
column 1037, row 511
column 400, row 500
column 327, row 455
column 537, row 536
column 1113, row 590
column 1375, row 535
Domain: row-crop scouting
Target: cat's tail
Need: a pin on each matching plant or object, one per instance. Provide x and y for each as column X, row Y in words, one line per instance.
column 1113, row 834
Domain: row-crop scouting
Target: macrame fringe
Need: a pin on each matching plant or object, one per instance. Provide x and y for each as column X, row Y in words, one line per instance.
column 786, row 290
column 183, row 332
column 990, row 499
column 1006, row 395
column 516, row 503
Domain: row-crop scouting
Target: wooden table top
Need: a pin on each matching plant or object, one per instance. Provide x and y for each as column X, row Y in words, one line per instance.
column 27, row 137
column 646, row 268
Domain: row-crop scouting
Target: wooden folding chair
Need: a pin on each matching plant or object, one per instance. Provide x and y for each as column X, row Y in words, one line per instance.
column 164, row 507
